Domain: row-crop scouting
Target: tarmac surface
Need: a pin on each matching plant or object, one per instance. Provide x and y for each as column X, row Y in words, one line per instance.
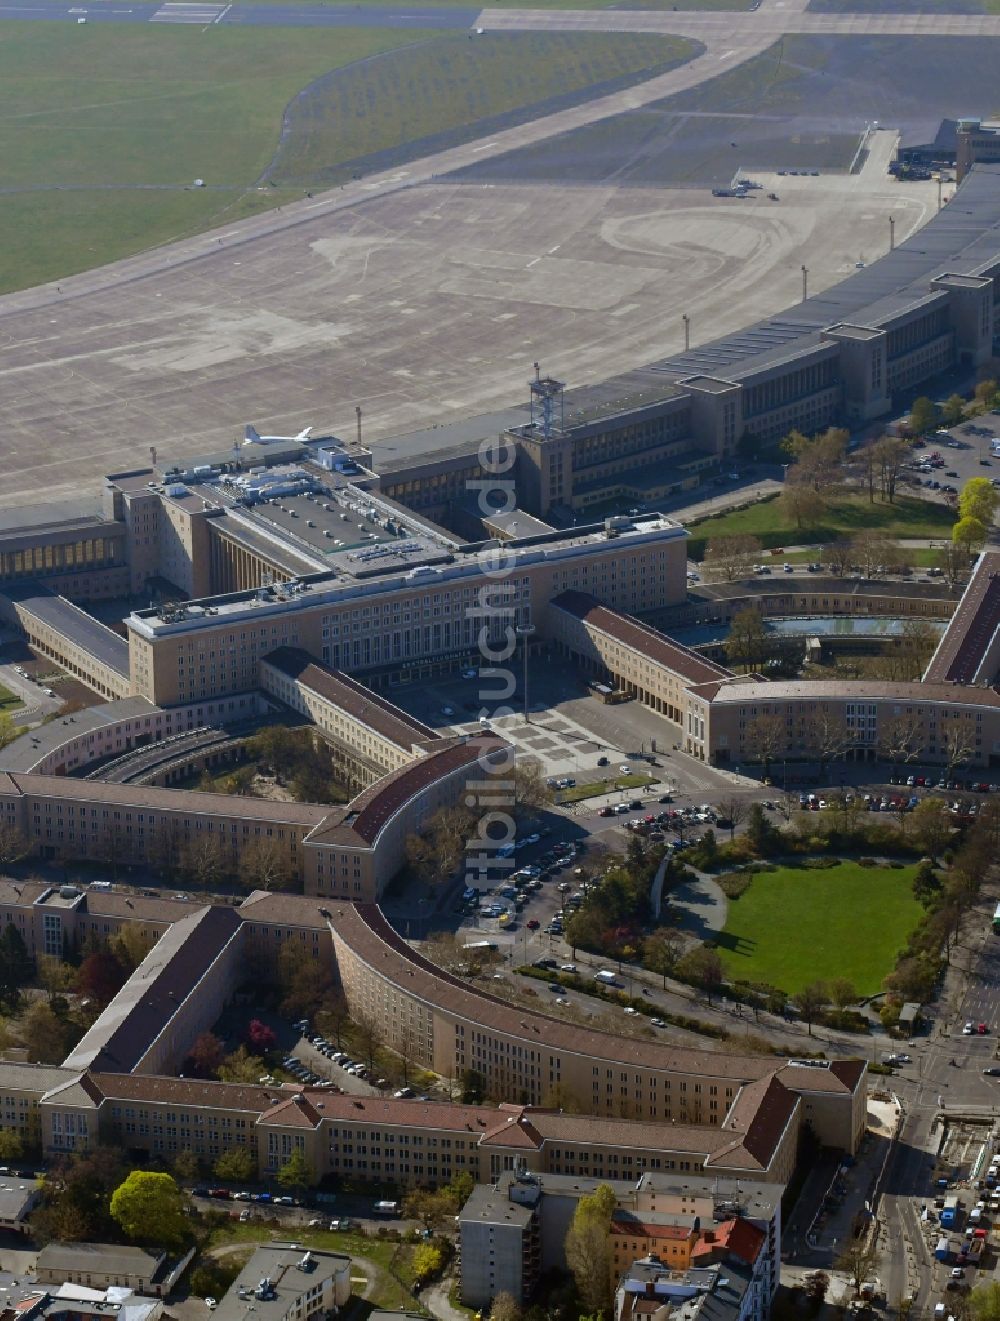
column 423, row 300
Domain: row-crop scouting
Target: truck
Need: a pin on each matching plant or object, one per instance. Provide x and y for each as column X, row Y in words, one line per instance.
column 949, row 1213
column 943, row 1250
column 386, row 1209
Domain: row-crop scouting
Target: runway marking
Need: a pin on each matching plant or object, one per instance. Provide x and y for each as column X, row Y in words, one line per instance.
column 187, row 11
column 223, row 14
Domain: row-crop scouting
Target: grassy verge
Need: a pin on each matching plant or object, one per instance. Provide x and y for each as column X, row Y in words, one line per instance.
column 842, row 517
column 598, row 787
column 739, row 5
column 797, row 925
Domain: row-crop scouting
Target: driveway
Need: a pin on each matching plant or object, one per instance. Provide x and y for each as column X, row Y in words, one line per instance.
column 701, row 906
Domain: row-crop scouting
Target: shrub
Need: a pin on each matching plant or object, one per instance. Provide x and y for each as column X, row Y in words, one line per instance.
column 735, row 883
column 867, row 862
column 821, row 863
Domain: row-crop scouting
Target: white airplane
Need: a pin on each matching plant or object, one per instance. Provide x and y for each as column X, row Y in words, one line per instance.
column 251, row 436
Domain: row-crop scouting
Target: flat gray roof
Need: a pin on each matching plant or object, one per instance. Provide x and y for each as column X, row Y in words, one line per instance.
column 449, row 439
column 26, row 752
column 292, row 1270
column 961, row 238
column 85, row 511
column 95, row 638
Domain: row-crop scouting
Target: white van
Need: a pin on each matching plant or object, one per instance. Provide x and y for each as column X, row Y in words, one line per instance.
column 605, row 976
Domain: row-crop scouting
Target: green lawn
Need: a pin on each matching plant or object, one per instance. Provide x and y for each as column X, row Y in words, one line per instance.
column 794, row 926
column 104, row 128
column 9, row 701
column 845, row 515
column 599, row 787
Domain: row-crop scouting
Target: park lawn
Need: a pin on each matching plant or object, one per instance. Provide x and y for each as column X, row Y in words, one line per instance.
column 918, row 557
column 843, row 516
column 796, row 925
column 742, row 5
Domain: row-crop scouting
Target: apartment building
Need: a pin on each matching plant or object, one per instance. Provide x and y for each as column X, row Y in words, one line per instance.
column 284, row 1282
column 514, row 1230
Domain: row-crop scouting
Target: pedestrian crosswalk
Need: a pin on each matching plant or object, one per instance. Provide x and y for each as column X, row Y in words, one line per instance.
column 188, row 11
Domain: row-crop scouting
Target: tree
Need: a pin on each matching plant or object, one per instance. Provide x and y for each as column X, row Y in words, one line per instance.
column 748, row 642
column 264, row 864
column 812, row 1000
column 13, row 845
column 206, row 1055
column 589, row 1254
column 368, row 1035
column 762, row 835
column 958, row 744
column 237, row 1165
column 765, row 738
column 984, row 1301
column 883, row 462
column 899, row 739
column 11, row 1144
column 306, row 983
column 817, row 460
column 186, row 1165
column 858, row 1260
column 832, row 736
column 734, row 810
column 46, row 1035
column 531, row 793
column 241, row 1066
column 77, row 1194
column 816, row 1283
column 952, row 559
column 260, row 1037
column 873, row 552
column 150, row 1209
column 979, row 500
column 505, row 1307
column 731, row 558
column 801, row 503
column 100, row 977
column 843, row 993
column 437, row 851
column 15, row 966
column 426, row 1262
column 931, row 825
column 702, row 967
column 660, row 951
column 56, row 976
column 205, row 860
column 953, row 410
column 923, row 416
column 968, row 535
column 296, row 1172
column 986, row 394
column 130, row 945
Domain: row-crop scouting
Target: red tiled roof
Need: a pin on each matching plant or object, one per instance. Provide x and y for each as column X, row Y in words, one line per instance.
column 641, row 638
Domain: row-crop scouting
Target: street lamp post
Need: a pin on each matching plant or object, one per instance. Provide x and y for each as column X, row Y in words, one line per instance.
column 805, row 283
column 687, row 331
column 524, row 632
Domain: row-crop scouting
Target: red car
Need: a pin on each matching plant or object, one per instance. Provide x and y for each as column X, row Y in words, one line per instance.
column 533, row 924
column 606, row 811
column 982, row 1029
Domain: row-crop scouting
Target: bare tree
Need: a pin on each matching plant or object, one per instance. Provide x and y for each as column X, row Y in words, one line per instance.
column 735, row 811
column 748, row 641
column 264, row 864
column 13, row 845
column 838, row 555
column 368, row 1034
column 958, row 745
column 437, row 851
column 765, row 738
column 832, row 736
column 874, row 552
column 900, row 739
column 731, row 558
